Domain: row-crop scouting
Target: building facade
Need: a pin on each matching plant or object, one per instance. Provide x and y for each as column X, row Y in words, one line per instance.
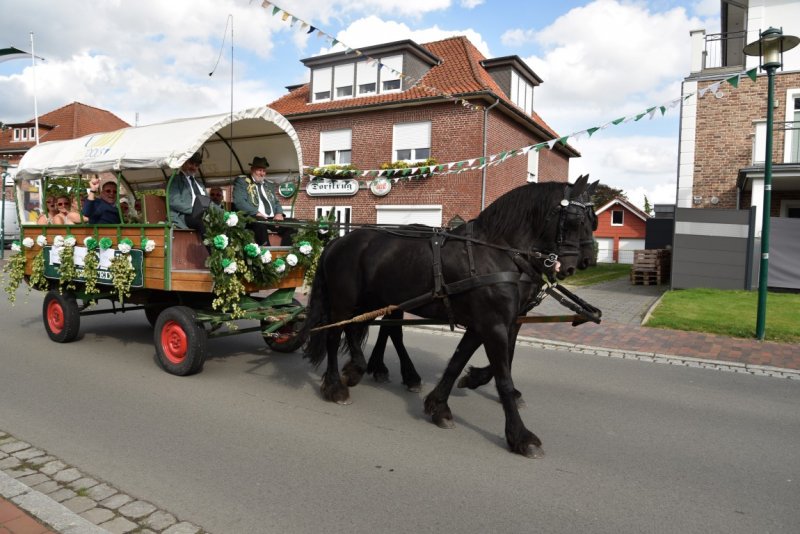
column 621, row 229
column 723, row 140
column 405, row 102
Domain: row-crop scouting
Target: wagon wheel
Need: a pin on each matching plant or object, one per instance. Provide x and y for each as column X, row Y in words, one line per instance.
column 62, row 320
column 152, row 313
column 180, row 341
column 286, row 338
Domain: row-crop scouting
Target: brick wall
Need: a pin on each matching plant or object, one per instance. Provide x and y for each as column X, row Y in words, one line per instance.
column 724, row 142
column 456, row 134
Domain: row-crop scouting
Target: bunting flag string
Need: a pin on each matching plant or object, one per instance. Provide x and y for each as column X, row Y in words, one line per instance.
column 332, row 41
column 478, row 163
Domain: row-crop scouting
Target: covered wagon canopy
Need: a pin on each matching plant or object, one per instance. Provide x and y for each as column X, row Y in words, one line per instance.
column 149, row 154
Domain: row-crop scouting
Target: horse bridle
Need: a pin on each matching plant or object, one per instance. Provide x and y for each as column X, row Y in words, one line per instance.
column 565, row 208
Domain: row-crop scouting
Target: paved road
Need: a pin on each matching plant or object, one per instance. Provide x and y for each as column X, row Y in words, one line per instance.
column 249, row 446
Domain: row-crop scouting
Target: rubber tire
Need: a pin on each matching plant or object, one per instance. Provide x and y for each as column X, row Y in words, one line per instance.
column 288, row 342
column 61, row 317
column 181, row 343
column 152, row 314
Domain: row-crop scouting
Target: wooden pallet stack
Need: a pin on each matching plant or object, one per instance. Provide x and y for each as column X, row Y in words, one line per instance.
column 650, row 267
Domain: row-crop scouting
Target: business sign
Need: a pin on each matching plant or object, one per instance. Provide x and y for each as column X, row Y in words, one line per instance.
column 330, row 188
column 380, row 187
column 287, row 189
column 52, row 264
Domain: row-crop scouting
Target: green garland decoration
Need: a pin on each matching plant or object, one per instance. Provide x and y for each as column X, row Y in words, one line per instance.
column 67, row 271
column 14, row 273
column 37, row 279
column 314, row 235
column 91, row 263
column 122, row 273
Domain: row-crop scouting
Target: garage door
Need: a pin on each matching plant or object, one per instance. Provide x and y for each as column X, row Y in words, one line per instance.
column 410, row 214
column 605, row 249
column 626, row 248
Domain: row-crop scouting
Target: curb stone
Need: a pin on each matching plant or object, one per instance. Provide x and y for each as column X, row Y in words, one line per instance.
column 51, row 497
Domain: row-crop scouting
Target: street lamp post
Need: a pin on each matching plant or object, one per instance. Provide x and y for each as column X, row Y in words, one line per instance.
column 770, row 47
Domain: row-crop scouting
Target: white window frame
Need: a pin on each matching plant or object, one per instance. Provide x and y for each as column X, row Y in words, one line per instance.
column 410, row 210
column 366, row 73
column 24, row 134
column 319, row 78
column 392, row 66
column 343, row 77
column 16, row 134
column 533, row 166
column 344, row 216
column 411, row 136
column 613, row 211
column 32, row 133
column 337, row 141
column 791, row 135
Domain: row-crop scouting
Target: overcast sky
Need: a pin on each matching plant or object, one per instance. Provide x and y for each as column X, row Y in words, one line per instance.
column 599, row 60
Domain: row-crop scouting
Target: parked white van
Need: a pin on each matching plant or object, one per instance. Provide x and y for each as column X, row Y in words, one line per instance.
column 10, row 224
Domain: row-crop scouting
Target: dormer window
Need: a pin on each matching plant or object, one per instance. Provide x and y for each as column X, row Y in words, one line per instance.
column 321, row 84
column 390, row 73
column 16, row 134
column 343, row 76
column 521, row 93
column 366, row 78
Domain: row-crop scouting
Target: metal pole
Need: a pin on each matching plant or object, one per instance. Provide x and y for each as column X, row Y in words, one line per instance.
column 763, row 272
column 3, row 176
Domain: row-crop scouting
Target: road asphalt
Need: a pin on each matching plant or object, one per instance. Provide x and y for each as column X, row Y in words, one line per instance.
column 41, row 494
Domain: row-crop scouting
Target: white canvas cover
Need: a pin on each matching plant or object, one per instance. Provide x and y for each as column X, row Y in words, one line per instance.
column 150, row 153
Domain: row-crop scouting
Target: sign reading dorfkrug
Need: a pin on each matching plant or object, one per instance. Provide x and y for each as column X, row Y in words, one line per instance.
column 321, row 188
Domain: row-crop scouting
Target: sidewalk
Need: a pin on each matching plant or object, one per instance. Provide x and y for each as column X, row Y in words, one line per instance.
column 625, row 305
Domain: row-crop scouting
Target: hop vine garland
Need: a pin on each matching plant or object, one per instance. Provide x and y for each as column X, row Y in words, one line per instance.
column 37, row 279
column 122, row 270
column 91, row 263
column 67, row 270
column 14, row 272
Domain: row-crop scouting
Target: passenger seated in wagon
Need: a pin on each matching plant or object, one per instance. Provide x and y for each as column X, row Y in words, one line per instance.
column 188, row 200
column 49, row 216
column 255, row 196
column 102, row 210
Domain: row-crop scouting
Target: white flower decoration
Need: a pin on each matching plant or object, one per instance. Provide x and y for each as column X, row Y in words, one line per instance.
column 124, row 248
column 232, row 220
column 15, row 247
column 306, row 249
column 266, row 256
column 231, row 268
column 27, row 242
column 41, row 240
column 58, row 241
column 280, row 267
column 69, row 241
column 291, row 259
column 149, row 245
column 322, row 230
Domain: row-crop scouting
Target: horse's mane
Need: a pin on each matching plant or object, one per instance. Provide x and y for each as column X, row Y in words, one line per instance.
column 520, row 211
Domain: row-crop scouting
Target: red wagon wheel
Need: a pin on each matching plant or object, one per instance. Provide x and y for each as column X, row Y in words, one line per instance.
column 61, row 317
column 286, row 338
column 180, row 341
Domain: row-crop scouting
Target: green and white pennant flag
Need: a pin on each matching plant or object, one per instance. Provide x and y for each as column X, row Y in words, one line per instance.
column 7, row 54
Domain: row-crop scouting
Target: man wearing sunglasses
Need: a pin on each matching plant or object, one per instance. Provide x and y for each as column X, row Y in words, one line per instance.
column 102, row 210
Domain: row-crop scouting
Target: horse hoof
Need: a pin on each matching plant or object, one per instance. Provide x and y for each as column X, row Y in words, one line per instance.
column 414, row 388
column 344, row 402
column 443, row 422
column 381, row 378
column 463, row 382
column 534, row 452
column 521, row 403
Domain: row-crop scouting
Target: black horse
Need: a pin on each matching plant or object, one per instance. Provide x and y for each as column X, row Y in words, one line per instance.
column 529, row 296
column 472, row 280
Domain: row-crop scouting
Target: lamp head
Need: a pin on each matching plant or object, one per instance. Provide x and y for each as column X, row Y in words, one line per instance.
column 770, row 47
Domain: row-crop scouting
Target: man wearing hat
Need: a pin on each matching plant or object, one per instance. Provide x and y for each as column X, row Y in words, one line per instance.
column 102, row 210
column 255, row 196
column 187, row 196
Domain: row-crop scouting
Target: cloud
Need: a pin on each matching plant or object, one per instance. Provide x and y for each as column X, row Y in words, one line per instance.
column 323, row 11
column 639, row 165
column 373, row 30
column 516, row 37
column 470, row 4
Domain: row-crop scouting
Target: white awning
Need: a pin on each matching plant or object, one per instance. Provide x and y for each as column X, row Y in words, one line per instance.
column 150, row 153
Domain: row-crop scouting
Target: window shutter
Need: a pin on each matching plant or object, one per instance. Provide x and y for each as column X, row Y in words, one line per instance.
column 335, row 140
column 343, row 77
column 366, row 73
column 320, row 80
column 395, row 66
column 411, row 135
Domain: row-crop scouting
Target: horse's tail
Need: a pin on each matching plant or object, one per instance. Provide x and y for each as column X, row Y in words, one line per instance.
column 317, row 314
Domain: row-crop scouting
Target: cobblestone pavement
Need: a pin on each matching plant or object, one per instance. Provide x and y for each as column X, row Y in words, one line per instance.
column 34, row 484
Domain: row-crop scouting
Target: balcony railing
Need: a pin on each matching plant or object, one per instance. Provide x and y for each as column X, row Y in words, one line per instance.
column 724, row 50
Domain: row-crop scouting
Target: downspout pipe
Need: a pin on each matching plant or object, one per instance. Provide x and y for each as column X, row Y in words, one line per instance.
column 485, row 141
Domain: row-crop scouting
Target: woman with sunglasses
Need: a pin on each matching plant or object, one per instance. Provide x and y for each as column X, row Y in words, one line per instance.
column 52, row 211
column 67, row 212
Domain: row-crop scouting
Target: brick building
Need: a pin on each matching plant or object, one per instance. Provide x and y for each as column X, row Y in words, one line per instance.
column 621, row 229
column 356, row 111
column 723, row 140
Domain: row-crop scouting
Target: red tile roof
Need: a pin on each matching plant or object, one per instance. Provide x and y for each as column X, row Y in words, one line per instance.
column 67, row 122
column 459, row 73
